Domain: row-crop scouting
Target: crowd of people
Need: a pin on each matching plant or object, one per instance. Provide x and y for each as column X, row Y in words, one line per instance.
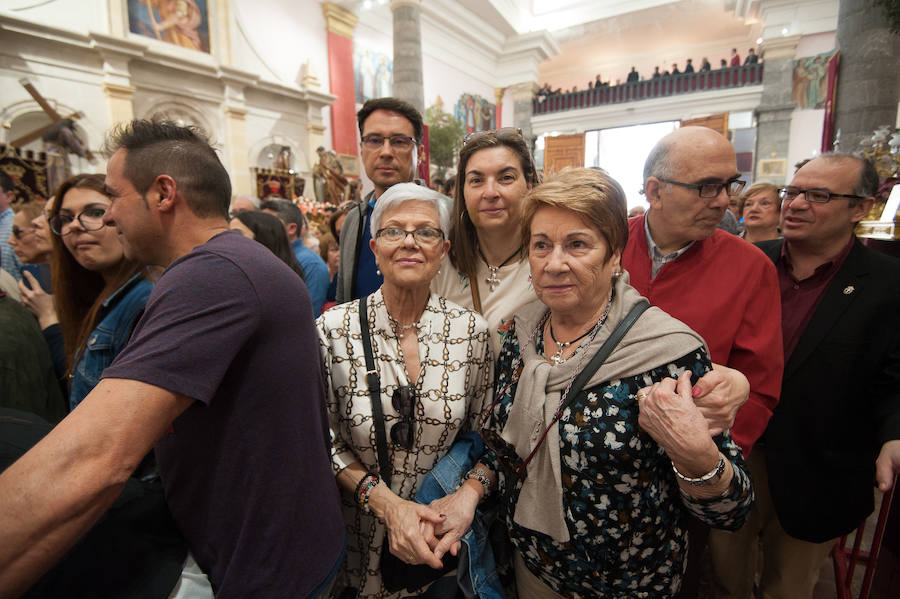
column 546, row 91
column 520, row 391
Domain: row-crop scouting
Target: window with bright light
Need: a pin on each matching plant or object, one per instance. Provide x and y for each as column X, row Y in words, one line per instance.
column 622, row 151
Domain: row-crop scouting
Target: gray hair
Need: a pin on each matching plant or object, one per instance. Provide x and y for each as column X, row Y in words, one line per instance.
column 253, row 200
column 404, row 192
column 659, row 161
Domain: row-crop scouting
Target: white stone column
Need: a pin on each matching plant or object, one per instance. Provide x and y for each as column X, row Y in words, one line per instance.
column 522, row 94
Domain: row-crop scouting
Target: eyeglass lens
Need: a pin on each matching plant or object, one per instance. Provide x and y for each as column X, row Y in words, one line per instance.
column 422, row 235
column 398, row 142
column 712, row 190
column 91, row 219
column 818, row 196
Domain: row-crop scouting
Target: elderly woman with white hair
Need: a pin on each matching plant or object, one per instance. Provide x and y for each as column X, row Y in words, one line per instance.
column 402, row 382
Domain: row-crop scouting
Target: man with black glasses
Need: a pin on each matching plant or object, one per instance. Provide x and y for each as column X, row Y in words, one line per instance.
column 718, row 284
column 390, row 146
column 836, row 429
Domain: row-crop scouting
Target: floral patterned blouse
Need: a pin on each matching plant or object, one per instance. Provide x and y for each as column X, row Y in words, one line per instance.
column 622, row 504
column 452, row 391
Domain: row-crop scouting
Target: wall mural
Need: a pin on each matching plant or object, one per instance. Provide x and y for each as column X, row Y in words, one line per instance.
column 181, row 22
column 475, row 113
column 812, row 76
column 373, row 73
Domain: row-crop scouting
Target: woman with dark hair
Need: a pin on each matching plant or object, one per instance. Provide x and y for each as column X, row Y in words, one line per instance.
column 99, row 294
column 267, row 230
column 487, row 269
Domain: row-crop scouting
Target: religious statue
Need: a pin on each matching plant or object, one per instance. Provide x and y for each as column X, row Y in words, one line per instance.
column 328, row 178
column 59, row 141
column 284, row 159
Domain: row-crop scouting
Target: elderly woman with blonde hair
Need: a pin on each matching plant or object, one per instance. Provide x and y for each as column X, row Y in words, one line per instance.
column 760, row 208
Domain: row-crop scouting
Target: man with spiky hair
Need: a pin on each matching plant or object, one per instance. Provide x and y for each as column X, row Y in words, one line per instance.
column 216, row 377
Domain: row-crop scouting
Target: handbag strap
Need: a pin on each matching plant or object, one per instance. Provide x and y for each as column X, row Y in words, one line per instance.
column 603, row 353
column 373, row 381
column 476, row 296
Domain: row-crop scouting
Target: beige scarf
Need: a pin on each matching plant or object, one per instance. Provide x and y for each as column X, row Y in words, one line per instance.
column 654, row 340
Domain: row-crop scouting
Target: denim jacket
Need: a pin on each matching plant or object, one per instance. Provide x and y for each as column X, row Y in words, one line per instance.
column 443, row 480
column 118, row 316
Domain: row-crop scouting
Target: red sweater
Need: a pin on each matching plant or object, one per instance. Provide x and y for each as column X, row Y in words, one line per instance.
column 727, row 290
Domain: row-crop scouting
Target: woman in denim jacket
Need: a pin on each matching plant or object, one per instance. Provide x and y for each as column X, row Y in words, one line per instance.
column 99, row 294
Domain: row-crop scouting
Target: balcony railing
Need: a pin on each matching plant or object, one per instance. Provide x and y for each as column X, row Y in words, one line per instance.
column 651, row 88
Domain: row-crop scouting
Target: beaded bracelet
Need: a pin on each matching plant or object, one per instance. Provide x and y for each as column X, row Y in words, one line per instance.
column 480, row 474
column 364, row 489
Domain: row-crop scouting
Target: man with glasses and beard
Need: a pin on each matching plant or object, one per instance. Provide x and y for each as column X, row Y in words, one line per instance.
column 390, row 146
column 719, row 285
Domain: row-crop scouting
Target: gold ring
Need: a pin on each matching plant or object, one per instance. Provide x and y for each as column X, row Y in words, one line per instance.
column 640, row 396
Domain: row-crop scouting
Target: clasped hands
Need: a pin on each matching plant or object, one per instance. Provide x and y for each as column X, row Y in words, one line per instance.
column 423, row 534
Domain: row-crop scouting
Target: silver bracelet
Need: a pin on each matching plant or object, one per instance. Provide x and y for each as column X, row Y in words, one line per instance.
column 707, row 478
column 481, row 475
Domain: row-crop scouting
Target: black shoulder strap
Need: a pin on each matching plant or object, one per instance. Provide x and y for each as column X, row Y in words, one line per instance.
column 603, row 353
column 373, row 381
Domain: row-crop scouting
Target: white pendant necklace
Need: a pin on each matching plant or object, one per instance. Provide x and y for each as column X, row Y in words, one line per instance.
column 492, row 279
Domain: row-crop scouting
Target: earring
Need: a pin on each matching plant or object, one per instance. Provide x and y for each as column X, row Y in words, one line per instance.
column 377, row 271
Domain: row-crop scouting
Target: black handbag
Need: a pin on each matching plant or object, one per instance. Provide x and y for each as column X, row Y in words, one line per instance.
column 396, row 574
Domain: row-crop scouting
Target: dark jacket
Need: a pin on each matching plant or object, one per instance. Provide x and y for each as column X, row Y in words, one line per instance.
column 351, row 245
column 27, row 380
column 840, row 400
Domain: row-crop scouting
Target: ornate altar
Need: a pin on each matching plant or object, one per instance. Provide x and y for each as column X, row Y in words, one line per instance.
column 277, row 182
column 28, row 172
column 883, row 149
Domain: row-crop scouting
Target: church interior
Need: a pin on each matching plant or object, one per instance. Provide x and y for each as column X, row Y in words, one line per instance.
column 281, row 79
column 276, row 84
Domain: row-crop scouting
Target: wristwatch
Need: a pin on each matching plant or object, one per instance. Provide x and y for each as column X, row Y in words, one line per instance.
column 480, row 474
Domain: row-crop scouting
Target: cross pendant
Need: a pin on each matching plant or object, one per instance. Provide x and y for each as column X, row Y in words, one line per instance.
column 557, row 357
column 492, row 280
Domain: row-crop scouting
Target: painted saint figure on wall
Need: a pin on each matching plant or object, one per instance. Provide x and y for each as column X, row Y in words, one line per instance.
column 475, row 113
column 184, row 23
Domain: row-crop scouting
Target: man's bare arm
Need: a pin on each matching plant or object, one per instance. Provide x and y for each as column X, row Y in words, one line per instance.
column 54, row 493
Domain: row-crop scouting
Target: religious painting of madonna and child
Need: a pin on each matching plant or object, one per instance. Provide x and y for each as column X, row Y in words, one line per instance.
column 814, row 78
column 475, row 113
column 374, row 74
column 184, row 23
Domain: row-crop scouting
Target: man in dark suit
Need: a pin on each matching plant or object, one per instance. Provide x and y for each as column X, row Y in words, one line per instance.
column 836, row 429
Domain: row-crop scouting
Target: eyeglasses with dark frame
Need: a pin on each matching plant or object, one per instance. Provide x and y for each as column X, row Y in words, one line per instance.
column 424, row 236
column 398, row 142
column 404, row 401
column 90, row 219
column 816, row 196
column 732, row 187
column 19, row 233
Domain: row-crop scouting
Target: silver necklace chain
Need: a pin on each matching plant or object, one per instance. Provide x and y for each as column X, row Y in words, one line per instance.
column 561, row 346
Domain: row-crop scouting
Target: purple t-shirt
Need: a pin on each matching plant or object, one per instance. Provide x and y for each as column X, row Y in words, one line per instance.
column 246, row 468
